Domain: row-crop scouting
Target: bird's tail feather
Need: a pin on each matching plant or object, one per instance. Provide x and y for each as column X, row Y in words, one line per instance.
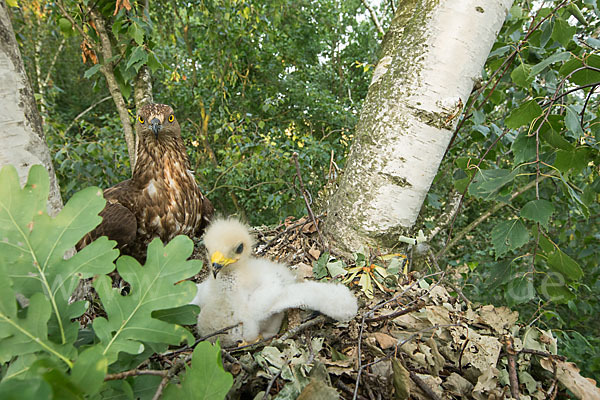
column 334, row 300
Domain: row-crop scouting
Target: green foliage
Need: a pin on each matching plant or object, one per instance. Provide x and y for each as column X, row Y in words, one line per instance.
column 251, row 82
column 529, row 155
column 206, row 379
column 41, row 349
column 362, row 272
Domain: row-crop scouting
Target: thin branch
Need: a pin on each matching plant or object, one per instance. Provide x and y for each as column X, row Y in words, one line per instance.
column 134, row 372
column 174, row 370
column 587, row 99
column 201, row 339
column 512, row 366
column 87, row 110
column 462, row 196
column 454, row 203
column 483, row 217
column 54, row 59
column 273, row 379
column 305, row 325
column 374, row 17
column 504, row 68
column 406, row 310
column 423, row 386
column 304, row 194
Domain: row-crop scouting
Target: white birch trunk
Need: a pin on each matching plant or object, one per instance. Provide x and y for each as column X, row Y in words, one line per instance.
column 431, row 56
column 22, row 142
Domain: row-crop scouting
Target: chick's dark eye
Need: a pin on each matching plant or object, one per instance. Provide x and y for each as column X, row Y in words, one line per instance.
column 239, row 249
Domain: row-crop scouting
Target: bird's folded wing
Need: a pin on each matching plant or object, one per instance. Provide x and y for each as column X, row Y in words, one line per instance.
column 334, row 300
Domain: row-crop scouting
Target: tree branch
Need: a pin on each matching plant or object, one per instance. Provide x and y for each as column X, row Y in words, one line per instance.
column 108, row 71
column 485, row 216
column 374, row 17
column 87, row 110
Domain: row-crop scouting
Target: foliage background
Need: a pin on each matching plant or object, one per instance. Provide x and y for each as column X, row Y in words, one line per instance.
column 254, row 81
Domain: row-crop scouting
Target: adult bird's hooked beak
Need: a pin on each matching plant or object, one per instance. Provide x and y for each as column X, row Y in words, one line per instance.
column 218, row 261
column 156, row 126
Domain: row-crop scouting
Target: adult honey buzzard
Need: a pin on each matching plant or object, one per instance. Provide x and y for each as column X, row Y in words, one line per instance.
column 162, row 198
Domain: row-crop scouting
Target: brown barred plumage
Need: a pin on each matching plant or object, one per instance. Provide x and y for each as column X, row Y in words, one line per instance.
column 162, row 198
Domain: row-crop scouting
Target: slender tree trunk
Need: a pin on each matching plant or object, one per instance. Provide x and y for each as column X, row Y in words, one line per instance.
column 142, row 87
column 21, row 135
column 113, row 87
column 431, row 56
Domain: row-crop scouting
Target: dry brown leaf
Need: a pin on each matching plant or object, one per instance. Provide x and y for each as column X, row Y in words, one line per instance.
column 122, row 4
column 314, row 252
column 568, row 374
column 309, row 228
column 302, row 271
column 385, row 341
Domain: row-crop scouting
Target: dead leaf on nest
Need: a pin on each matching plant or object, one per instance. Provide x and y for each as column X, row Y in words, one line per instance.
column 457, row 385
column 314, row 252
column 289, row 221
column 568, row 374
column 303, row 271
column 499, row 318
column 309, row 228
column 385, row 341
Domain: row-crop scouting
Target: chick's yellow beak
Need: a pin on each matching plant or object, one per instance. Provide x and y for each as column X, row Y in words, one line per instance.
column 218, row 261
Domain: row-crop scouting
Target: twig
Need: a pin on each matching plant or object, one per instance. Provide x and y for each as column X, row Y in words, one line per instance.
column 174, row 370
column 341, row 385
column 403, row 311
column 374, row 17
column 542, row 354
column 311, row 322
column 360, row 366
column 272, row 381
column 378, row 306
column 464, row 192
column 447, row 216
column 280, row 234
column 485, row 216
column 448, row 282
column 134, row 372
column 512, row 366
column 203, row 338
column 87, row 110
column 303, row 189
column 423, row 386
column 505, row 65
column 587, row 99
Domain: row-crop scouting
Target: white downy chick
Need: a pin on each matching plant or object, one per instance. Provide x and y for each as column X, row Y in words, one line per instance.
column 256, row 291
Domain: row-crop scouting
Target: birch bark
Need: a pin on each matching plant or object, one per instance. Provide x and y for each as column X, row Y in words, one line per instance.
column 22, row 141
column 431, row 56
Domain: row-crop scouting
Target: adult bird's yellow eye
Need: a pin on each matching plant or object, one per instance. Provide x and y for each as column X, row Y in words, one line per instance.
column 141, row 120
column 171, row 118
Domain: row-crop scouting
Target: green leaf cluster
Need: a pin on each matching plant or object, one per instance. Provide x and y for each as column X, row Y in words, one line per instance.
column 43, row 350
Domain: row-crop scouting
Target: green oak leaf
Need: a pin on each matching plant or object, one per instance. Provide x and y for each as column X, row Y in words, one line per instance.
column 153, row 287
column 205, row 379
